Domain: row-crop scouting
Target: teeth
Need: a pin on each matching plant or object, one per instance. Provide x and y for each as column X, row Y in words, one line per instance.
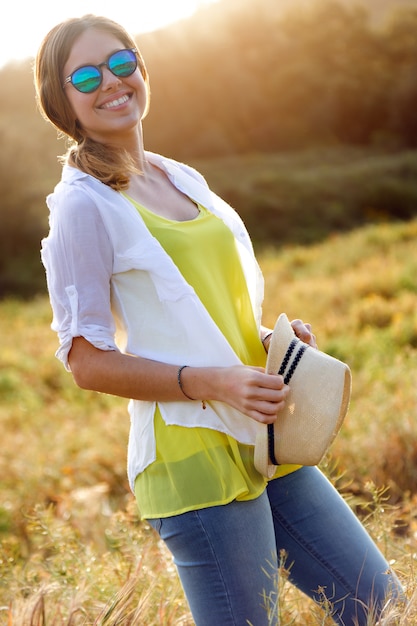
column 115, row 103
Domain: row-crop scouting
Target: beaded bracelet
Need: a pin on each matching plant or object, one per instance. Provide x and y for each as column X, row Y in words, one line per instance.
column 203, row 404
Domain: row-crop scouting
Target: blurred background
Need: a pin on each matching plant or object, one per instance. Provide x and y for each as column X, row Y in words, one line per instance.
column 301, row 113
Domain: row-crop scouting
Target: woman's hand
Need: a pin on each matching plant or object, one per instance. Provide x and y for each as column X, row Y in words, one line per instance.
column 303, row 332
column 251, row 391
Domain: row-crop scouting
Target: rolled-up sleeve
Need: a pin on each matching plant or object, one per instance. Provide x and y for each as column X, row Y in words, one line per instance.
column 78, row 259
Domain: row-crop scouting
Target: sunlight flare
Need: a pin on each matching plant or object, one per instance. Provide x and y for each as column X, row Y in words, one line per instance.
column 41, row 16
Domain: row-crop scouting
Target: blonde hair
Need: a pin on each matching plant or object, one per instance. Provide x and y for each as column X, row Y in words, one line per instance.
column 110, row 165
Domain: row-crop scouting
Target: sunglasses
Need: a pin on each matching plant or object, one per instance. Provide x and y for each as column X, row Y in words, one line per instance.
column 88, row 78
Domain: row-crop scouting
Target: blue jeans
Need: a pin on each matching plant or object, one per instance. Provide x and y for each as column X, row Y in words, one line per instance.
column 226, row 555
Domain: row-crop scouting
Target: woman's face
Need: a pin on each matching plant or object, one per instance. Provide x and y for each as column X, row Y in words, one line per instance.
column 115, row 109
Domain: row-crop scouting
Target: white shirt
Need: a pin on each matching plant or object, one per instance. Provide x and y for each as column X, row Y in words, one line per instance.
column 111, row 282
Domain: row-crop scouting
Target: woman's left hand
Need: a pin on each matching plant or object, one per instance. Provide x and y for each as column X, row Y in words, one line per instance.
column 303, row 331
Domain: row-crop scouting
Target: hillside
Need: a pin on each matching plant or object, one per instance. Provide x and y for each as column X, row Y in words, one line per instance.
column 306, row 196
column 70, row 537
column 379, row 10
column 246, row 82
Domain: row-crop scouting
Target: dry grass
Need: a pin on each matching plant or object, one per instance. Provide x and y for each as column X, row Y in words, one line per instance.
column 72, row 549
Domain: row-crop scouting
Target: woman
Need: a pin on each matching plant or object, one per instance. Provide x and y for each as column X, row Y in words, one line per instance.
column 157, row 298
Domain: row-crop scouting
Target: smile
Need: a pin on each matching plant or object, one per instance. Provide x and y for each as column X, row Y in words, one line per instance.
column 115, row 103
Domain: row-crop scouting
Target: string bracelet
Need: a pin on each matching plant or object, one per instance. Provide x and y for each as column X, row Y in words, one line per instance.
column 203, row 404
column 265, row 338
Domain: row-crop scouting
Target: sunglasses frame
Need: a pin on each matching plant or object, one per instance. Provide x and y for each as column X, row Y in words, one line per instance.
column 69, row 78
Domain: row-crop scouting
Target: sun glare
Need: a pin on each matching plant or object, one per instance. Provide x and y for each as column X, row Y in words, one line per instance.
column 21, row 34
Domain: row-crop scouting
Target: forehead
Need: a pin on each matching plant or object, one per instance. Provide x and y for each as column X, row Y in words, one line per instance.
column 92, row 46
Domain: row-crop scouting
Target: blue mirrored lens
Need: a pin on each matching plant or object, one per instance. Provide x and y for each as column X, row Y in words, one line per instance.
column 87, row 78
column 122, row 63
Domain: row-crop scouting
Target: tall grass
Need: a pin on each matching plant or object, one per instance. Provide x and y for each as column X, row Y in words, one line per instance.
column 73, row 550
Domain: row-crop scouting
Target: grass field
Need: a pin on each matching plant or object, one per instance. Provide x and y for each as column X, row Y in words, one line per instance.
column 73, row 550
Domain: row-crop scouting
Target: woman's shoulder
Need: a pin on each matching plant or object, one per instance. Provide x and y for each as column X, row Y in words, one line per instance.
column 72, row 206
column 77, row 191
column 173, row 166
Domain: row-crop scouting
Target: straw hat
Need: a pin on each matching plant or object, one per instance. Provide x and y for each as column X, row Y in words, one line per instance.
column 315, row 408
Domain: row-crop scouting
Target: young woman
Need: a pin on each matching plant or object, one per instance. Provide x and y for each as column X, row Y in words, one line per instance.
column 156, row 296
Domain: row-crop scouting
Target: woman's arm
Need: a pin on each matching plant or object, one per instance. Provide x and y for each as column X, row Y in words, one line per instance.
column 248, row 389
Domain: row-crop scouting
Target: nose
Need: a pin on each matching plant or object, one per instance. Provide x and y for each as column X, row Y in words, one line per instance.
column 110, row 80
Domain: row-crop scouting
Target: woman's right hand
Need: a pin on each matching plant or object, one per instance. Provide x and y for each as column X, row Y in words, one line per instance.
column 251, row 391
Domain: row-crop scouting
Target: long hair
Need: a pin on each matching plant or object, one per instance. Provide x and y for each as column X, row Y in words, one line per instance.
column 110, row 165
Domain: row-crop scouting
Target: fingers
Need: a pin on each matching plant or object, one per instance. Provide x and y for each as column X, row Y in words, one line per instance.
column 267, row 414
column 252, row 391
column 304, row 332
column 266, row 398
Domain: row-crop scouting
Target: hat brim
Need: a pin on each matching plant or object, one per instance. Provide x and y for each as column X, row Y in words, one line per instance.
column 315, row 407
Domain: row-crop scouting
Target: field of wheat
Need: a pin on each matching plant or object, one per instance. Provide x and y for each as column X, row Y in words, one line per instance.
column 72, row 548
